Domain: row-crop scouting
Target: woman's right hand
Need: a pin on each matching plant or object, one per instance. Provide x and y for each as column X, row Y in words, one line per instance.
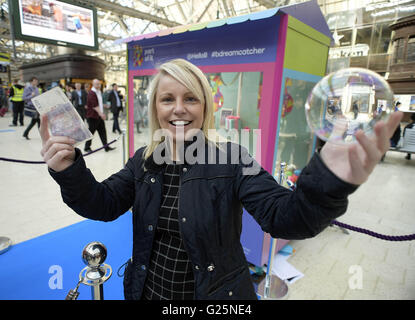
column 58, row 152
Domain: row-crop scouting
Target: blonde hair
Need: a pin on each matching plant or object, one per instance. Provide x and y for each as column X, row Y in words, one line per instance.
column 194, row 80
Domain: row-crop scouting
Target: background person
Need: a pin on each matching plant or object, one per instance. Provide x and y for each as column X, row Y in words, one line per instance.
column 107, row 104
column 4, row 106
column 16, row 97
column 409, row 126
column 87, row 87
column 30, row 92
column 355, row 109
column 68, row 91
column 78, row 99
column 95, row 115
column 115, row 100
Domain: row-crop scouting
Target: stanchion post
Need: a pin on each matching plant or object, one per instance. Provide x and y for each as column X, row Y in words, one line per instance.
column 273, row 287
column 123, row 146
column 93, row 255
column 97, row 290
column 5, row 244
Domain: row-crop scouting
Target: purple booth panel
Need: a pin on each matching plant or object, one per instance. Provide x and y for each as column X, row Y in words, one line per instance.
column 255, row 242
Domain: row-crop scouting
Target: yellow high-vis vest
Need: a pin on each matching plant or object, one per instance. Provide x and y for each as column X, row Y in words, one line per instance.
column 18, row 94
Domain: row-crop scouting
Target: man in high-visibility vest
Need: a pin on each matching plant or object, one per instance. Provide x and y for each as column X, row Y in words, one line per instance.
column 16, row 95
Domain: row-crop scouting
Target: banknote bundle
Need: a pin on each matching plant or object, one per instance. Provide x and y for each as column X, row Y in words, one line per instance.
column 63, row 118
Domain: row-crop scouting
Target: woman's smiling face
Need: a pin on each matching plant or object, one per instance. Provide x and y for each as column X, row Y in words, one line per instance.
column 178, row 109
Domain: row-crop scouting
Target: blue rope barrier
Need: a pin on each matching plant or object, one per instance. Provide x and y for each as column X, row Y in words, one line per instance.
column 40, row 162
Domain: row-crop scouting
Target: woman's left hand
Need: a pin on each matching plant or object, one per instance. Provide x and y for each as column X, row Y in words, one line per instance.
column 353, row 163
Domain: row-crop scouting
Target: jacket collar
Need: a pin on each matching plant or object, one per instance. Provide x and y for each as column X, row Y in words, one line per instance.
column 95, row 90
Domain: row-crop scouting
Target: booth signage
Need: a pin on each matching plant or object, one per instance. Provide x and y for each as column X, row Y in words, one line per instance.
column 239, row 44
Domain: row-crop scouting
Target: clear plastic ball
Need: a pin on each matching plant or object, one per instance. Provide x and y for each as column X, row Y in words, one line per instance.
column 347, row 100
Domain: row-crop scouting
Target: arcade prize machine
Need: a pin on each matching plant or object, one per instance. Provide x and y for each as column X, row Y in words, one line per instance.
column 261, row 68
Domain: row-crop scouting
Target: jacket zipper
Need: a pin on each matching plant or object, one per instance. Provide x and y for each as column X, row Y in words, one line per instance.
column 181, row 234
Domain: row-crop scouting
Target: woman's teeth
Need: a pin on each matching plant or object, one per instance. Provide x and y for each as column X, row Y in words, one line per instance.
column 180, row 123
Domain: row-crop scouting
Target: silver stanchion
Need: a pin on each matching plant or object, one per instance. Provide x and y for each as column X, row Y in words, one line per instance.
column 5, row 244
column 123, row 146
column 95, row 273
column 272, row 287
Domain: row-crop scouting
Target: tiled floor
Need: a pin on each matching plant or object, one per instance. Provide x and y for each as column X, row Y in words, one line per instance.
column 336, row 265
column 334, row 262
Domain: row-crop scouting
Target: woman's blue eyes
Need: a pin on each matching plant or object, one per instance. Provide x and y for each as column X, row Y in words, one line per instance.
column 188, row 99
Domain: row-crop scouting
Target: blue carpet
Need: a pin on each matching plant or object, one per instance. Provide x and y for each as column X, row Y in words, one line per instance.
column 30, row 270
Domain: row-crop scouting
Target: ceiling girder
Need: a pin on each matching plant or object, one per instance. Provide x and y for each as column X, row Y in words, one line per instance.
column 267, row 3
column 204, row 11
column 131, row 12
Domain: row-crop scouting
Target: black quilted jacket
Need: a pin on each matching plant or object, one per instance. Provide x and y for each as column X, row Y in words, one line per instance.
column 210, row 213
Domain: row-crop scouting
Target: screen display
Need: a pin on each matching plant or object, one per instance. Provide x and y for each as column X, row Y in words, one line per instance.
column 58, row 21
column 407, row 102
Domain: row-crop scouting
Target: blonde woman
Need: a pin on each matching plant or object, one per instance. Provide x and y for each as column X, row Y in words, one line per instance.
column 187, row 214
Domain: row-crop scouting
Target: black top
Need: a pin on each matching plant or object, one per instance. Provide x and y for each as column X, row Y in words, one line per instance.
column 170, row 275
